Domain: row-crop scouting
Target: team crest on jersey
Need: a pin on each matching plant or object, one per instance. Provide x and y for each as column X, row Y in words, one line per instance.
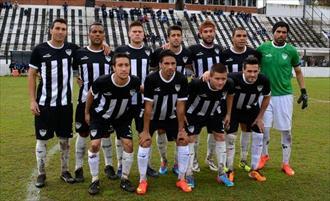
column 259, row 87
column 147, row 52
column 185, row 59
column 68, row 51
column 42, row 132
column 108, row 58
column 216, row 50
column 177, row 87
column 107, row 94
column 78, row 125
column 191, row 129
column 106, row 116
column 157, row 89
column 284, row 56
column 132, row 92
column 93, row 132
column 224, row 94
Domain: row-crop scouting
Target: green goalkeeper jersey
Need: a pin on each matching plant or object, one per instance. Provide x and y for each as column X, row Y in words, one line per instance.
column 276, row 64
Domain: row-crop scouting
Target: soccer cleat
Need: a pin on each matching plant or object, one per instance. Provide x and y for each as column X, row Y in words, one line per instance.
column 142, row 188
column 94, row 187
column 211, row 164
column 175, row 169
column 119, row 171
column 243, row 165
column 256, row 175
column 287, row 169
column 224, row 179
column 41, row 180
column 110, row 172
column 230, row 175
column 190, row 181
column 126, row 185
column 163, row 168
column 195, row 166
column 79, row 175
column 151, row 172
column 262, row 161
column 66, row 177
column 182, row 184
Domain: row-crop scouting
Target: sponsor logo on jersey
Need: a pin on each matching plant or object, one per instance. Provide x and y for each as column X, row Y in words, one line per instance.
column 93, row 132
column 268, row 55
column 42, row 132
column 78, row 125
column 216, row 50
column 147, row 52
column 237, row 87
column 68, row 51
column 203, row 95
column 185, row 59
column 46, row 55
column 259, row 87
column 157, row 89
column 132, row 92
column 177, row 87
column 229, row 60
column 199, row 54
column 84, row 58
column 284, row 56
column 108, row 58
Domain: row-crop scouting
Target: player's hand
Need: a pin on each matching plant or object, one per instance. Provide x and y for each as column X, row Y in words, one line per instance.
column 182, row 135
column 107, row 48
column 206, row 76
column 144, row 137
column 34, row 107
column 166, row 46
column 303, row 98
column 226, row 121
column 87, row 118
column 260, row 124
column 79, row 81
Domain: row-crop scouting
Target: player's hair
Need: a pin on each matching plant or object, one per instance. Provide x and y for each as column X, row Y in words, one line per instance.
column 95, row 24
column 59, row 20
column 218, row 68
column 238, row 29
column 280, row 24
column 205, row 24
column 120, row 55
column 135, row 24
column 251, row 59
column 173, row 28
column 165, row 53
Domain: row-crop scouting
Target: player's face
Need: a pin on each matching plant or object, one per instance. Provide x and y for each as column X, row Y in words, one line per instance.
column 251, row 72
column 240, row 39
column 168, row 66
column 280, row 35
column 175, row 38
column 218, row 80
column 122, row 68
column 136, row 34
column 96, row 35
column 58, row 32
column 207, row 34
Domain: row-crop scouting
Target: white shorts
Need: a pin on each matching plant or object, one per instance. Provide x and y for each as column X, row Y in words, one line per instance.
column 279, row 112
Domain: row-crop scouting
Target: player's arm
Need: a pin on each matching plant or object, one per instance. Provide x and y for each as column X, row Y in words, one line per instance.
column 259, row 120
column 32, row 77
column 229, row 105
column 145, row 137
column 301, row 82
column 180, row 112
column 89, row 103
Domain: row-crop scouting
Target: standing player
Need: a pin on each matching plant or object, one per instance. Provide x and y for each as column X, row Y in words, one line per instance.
column 165, row 94
column 92, row 63
column 108, row 102
column 204, row 55
column 204, row 109
column 51, row 104
column 183, row 59
column 140, row 59
column 249, row 85
column 278, row 58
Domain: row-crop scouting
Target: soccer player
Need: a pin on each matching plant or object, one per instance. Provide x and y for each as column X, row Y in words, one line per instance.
column 249, row 86
column 204, row 55
column 165, row 93
column 183, row 59
column 51, row 104
column 277, row 60
column 92, row 63
column 204, row 109
column 140, row 61
column 108, row 102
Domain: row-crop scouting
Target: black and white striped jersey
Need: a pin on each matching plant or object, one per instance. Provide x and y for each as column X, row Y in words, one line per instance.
column 91, row 65
column 203, row 57
column 183, row 59
column 112, row 101
column 164, row 94
column 247, row 94
column 234, row 61
column 203, row 101
column 140, row 61
column 55, row 68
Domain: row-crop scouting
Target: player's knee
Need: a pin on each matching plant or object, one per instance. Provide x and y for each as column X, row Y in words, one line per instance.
column 219, row 136
column 127, row 145
column 146, row 143
column 95, row 146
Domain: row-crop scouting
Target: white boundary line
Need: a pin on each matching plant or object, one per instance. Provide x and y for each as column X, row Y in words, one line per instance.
column 320, row 101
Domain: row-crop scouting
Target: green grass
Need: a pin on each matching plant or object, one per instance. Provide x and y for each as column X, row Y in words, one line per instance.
column 310, row 158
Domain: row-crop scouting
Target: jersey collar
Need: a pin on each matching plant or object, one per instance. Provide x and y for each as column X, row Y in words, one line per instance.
column 95, row 51
column 54, row 46
column 135, row 47
column 245, row 79
column 232, row 49
column 209, row 85
column 202, row 44
column 117, row 85
column 167, row 81
column 278, row 46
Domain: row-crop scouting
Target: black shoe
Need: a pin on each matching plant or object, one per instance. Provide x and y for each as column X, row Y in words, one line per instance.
column 94, row 188
column 66, row 176
column 79, row 175
column 110, row 172
column 151, row 172
column 126, row 185
column 41, row 180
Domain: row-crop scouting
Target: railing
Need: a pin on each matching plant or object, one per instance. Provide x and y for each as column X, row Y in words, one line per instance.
column 316, row 19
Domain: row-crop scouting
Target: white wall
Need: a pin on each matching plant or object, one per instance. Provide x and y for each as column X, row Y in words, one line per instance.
column 315, row 71
column 284, row 10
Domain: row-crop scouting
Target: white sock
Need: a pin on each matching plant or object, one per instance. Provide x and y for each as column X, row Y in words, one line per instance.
column 64, row 149
column 143, row 158
column 119, row 152
column 210, row 145
column 175, row 154
column 286, row 145
column 93, row 161
column 230, row 145
column 191, row 159
column 127, row 164
column 150, row 155
column 107, row 150
column 80, row 151
column 256, row 149
column 41, row 151
column 220, row 149
column 266, row 139
column 183, row 156
column 162, row 145
column 245, row 141
column 196, row 145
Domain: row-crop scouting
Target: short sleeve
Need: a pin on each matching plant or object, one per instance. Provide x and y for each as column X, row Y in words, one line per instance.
column 35, row 61
column 148, row 92
column 183, row 92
